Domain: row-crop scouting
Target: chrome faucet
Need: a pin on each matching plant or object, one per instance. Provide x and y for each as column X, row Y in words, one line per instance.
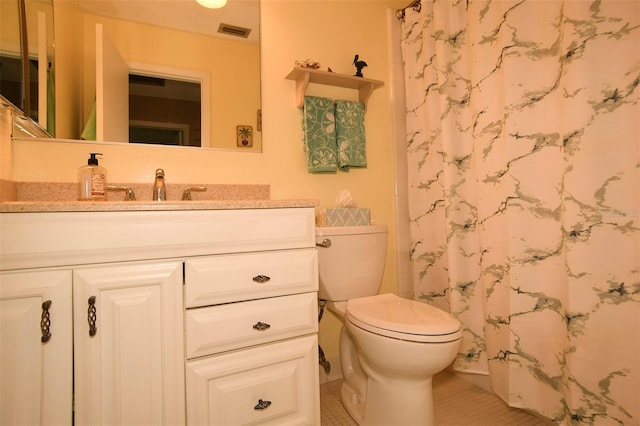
column 159, row 190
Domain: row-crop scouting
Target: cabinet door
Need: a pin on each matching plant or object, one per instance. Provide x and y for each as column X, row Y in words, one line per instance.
column 129, row 344
column 36, row 362
column 274, row 384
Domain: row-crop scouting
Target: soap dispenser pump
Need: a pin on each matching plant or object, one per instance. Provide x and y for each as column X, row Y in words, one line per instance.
column 92, row 180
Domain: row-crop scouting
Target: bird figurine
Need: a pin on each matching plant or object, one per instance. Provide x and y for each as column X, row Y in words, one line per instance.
column 359, row 65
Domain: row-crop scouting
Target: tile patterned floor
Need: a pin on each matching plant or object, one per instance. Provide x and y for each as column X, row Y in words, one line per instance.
column 457, row 403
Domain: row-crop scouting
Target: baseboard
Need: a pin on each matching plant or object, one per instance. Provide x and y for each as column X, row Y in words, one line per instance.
column 480, row 380
column 334, row 374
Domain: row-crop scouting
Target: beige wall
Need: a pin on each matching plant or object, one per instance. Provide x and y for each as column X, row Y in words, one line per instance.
column 330, row 32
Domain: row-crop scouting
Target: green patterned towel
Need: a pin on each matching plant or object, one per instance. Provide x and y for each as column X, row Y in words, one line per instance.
column 350, row 137
column 319, row 127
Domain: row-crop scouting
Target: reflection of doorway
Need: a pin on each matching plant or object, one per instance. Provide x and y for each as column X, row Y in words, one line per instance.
column 11, row 79
column 112, row 92
column 159, row 133
column 11, row 83
column 164, row 111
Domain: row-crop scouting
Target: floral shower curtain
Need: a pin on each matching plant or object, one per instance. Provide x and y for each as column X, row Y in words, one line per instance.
column 524, row 186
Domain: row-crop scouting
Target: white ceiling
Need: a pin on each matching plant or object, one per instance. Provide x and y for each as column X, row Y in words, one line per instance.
column 184, row 15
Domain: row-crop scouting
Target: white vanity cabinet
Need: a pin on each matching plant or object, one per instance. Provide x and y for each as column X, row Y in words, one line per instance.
column 36, row 364
column 159, row 317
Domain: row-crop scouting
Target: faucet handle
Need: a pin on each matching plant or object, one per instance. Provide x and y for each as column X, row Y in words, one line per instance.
column 128, row 196
column 186, row 195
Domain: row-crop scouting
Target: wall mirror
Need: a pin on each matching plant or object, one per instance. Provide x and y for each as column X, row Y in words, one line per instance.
column 27, row 59
column 102, row 45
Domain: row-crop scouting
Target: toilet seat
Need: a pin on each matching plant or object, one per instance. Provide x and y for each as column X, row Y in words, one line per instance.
column 393, row 316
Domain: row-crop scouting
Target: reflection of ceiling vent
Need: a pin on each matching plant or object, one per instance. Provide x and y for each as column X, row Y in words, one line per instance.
column 232, row 30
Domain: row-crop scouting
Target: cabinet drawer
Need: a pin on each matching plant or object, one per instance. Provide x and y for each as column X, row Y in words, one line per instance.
column 227, row 389
column 235, row 277
column 224, row 327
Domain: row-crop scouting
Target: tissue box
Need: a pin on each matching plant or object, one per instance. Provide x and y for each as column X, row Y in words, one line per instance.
column 348, row 217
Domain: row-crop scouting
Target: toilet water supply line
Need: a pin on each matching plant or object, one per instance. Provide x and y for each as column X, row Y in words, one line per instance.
column 321, row 358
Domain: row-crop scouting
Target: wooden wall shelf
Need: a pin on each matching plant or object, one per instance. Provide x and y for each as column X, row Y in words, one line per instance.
column 304, row 76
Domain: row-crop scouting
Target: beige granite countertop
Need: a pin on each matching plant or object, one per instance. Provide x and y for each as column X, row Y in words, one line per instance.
column 101, row 206
column 25, row 197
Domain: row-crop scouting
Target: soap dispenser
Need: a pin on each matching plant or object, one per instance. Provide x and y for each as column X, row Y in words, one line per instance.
column 92, row 180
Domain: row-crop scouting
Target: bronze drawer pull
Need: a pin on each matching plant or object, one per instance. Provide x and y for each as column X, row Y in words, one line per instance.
column 45, row 322
column 92, row 317
column 261, row 326
column 261, row 279
column 262, row 405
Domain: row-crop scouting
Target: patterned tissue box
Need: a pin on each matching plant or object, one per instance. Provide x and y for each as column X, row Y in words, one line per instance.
column 348, row 217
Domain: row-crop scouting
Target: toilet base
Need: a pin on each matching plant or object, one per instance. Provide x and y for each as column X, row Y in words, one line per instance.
column 409, row 404
column 389, row 381
column 352, row 402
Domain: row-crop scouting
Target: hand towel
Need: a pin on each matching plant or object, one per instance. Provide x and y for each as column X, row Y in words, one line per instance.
column 350, row 134
column 319, row 127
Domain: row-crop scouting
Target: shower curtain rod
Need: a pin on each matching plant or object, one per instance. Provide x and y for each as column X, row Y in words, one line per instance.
column 415, row 4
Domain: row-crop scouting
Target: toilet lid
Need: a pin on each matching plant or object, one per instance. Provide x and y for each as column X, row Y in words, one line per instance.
column 396, row 317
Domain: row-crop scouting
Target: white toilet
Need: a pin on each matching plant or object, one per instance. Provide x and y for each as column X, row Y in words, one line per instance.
column 390, row 347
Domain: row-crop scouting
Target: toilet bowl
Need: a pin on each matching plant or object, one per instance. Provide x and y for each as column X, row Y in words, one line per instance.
column 390, row 347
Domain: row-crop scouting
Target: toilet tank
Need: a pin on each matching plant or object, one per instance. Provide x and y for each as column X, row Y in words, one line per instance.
column 352, row 266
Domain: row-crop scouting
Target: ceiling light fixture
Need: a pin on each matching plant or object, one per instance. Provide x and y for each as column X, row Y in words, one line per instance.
column 212, row 4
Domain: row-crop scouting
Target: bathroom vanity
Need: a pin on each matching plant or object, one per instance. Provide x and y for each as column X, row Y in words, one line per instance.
column 171, row 313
